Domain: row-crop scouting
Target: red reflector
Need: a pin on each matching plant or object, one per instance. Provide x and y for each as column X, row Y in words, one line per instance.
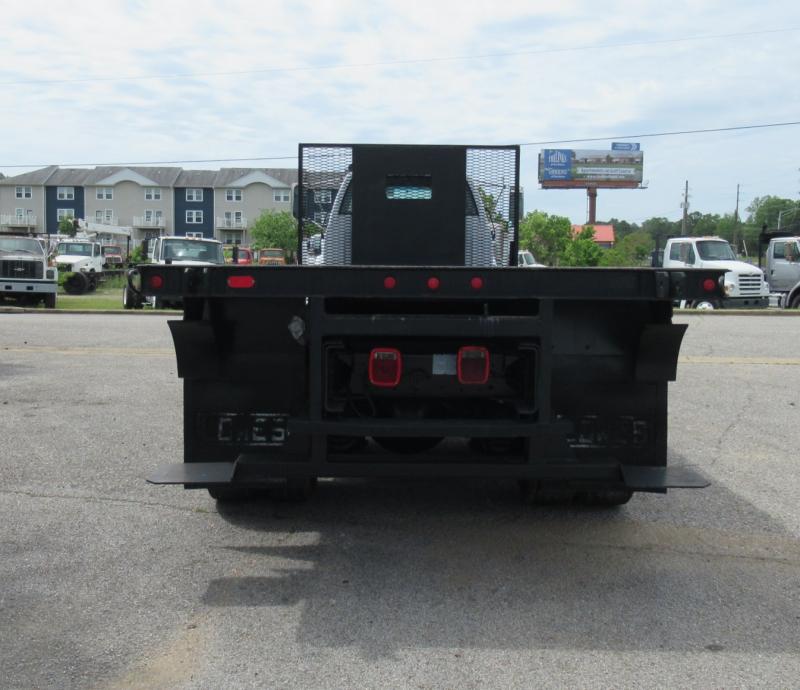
column 473, row 365
column 156, row 282
column 385, row 367
column 433, row 283
column 476, row 283
column 709, row 285
column 389, row 282
column 241, row 281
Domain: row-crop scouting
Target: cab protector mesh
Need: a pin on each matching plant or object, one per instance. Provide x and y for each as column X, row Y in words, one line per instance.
column 490, row 207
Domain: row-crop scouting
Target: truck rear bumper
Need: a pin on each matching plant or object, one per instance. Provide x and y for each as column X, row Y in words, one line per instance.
column 251, row 471
column 38, row 287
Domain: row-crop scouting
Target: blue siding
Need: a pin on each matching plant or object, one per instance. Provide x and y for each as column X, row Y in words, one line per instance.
column 206, row 206
column 52, row 204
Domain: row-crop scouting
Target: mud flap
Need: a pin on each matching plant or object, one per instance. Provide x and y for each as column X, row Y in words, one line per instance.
column 638, row 478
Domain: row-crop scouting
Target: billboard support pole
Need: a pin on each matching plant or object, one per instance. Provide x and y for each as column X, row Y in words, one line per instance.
column 591, row 193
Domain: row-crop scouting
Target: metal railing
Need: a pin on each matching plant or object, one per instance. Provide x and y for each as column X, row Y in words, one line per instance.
column 237, row 223
column 149, row 221
column 14, row 220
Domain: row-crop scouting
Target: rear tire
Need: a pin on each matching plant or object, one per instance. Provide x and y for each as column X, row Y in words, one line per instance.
column 76, row 284
column 229, row 494
column 545, row 493
column 130, row 300
column 50, row 300
column 605, row 498
column 795, row 303
column 294, row 490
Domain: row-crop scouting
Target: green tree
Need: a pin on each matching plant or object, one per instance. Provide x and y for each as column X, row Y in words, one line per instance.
column 66, row 226
column 545, row 235
column 275, row 229
column 765, row 210
column 633, row 250
column 582, row 250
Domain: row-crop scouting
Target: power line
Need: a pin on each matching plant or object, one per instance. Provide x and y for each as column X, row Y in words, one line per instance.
column 663, row 134
column 390, row 63
column 529, row 143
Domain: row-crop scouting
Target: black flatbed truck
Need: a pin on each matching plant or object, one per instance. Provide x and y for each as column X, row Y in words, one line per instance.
column 555, row 377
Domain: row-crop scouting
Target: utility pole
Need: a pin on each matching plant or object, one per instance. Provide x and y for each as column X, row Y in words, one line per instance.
column 736, row 220
column 685, row 206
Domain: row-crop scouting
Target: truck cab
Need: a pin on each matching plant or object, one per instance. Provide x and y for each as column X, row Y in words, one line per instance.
column 783, row 269
column 80, row 263
column 25, row 276
column 744, row 284
column 178, row 251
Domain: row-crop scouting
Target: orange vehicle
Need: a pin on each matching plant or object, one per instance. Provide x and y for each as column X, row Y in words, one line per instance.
column 244, row 255
column 271, row 257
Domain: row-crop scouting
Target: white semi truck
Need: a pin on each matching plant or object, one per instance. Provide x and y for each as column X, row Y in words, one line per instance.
column 744, row 285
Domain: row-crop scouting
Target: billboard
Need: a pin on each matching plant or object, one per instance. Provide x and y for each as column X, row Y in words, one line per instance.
column 580, row 168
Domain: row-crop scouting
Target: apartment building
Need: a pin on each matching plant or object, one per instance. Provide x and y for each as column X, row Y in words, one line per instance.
column 152, row 201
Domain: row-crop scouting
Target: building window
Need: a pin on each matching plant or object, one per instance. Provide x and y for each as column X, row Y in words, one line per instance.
column 233, row 238
column 194, row 217
column 105, row 193
column 65, row 193
column 154, row 216
column 23, row 192
column 280, row 195
column 195, row 234
column 233, row 219
column 154, row 194
column 62, row 213
column 321, row 196
column 194, row 194
column 104, row 215
column 233, row 195
column 20, row 213
column 320, row 218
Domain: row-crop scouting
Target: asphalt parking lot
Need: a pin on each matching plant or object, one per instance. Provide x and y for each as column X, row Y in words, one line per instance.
column 108, row 582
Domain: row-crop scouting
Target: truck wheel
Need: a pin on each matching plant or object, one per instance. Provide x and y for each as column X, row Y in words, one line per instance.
column 705, row 304
column 76, row 284
column 130, row 299
column 50, row 300
column 229, row 494
column 294, row 490
column 92, row 283
column 605, row 498
column 545, row 493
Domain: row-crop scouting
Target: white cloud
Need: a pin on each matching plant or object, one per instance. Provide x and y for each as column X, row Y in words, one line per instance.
column 538, row 96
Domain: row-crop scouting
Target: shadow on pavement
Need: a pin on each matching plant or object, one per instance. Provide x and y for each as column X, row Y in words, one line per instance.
column 384, row 565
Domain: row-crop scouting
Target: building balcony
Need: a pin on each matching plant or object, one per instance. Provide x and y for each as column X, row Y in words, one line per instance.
column 104, row 220
column 231, row 223
column 149, row 221
column 12, row 220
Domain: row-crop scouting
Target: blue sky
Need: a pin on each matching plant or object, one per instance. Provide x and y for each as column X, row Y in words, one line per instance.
column 317, row 80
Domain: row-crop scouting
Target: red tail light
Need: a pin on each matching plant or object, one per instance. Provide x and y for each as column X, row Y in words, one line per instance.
column 241, row 281
column 385, row 367
column 473, row 365
column 156, row 282
column 709, row 285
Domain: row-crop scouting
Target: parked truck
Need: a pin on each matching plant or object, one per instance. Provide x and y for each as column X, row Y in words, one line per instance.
column 782, row 267
column 173, row 251
column 26, row 278
column 80, row 264
column 744, row 286
column 412, row 351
